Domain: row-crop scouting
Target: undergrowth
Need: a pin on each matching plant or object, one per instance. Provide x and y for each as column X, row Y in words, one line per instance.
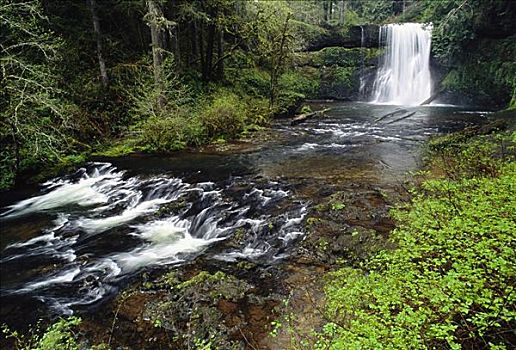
column 450, row 282
column 59, row 335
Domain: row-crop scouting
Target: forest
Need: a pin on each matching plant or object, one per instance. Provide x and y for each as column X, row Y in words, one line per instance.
column 231, row 174
column 78, row 76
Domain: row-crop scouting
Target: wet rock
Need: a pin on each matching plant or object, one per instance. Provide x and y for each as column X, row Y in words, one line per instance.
column 215, row 306
column 349, row 39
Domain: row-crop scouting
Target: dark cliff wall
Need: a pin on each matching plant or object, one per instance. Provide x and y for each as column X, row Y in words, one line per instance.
column 336, row 60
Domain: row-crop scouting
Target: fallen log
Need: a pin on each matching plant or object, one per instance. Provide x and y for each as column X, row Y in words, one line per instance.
column 399, row 110
column 401, row 118
column 431, row 98
column 303, row 117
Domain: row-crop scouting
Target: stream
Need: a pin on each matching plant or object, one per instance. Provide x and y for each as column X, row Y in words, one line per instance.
column 76, row 240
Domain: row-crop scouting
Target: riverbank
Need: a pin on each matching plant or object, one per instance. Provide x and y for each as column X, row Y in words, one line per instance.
column 449, row 280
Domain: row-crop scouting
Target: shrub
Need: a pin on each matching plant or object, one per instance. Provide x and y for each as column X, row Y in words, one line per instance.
column 257, row 112
column 250, row 81
column 225, row 116
column 171, row 133
column 149, row 99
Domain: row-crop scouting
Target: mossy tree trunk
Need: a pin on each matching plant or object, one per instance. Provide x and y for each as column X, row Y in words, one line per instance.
column 277, row 63
column 154, row 15
column 98, row 37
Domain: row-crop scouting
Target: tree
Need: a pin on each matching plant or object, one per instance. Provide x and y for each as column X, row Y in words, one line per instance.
column 98, row 38
column 35, row 118
column 274, row 42
column 156, row 21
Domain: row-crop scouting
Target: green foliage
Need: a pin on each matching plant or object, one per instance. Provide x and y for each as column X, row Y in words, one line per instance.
column 57, row 336
column 293, row 88
column 35, row 119
column 224, row 116
column 162, row 111
column 489, row 73
column 150, row 99
column 339, row 56
column 274, row 41
column 450, row 281
column 118, row 149
column 337, row 206
column 339, row 81
column 307, row 32
column 457, row 23
column 375, row 11
column 251, row 81
column 171, row 132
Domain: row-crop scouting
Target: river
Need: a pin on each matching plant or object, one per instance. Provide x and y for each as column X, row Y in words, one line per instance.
column 76, row 241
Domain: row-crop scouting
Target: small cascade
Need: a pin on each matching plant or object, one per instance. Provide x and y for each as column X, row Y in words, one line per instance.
column 404, row 75
column 108, row 225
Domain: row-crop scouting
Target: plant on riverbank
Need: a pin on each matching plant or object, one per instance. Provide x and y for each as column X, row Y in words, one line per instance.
column 224, row 117
column 59, row 335
column 450, row 282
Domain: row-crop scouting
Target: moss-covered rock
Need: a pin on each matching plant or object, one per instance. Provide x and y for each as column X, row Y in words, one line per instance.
column 213, row 308
column 335, row 72
column 339, row 82
column 349, row 37
column 486, row 77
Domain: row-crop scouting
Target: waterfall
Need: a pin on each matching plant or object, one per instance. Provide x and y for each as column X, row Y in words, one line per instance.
column 404, row 75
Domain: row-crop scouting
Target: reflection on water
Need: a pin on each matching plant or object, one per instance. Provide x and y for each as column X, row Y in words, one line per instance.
column 81, row 236
column 349, row 143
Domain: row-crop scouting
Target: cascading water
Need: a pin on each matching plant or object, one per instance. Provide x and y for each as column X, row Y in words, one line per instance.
column 404, row 76
column 107, row 225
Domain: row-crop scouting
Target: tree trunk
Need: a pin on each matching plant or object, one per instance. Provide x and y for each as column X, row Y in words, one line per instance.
column 210, row 44
column 341, row 12
column 220, row 54
column 201, row 47
column 276, row 66
column 174, row 35
column 193, row 43
column 156, row 40
column 175, row 45
column 98, row 38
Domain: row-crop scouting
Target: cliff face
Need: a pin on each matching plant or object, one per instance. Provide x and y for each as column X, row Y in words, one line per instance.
column 352, row 37
column 337, row 60
column 485, row 77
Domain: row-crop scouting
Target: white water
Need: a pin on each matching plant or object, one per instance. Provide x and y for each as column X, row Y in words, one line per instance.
column 404, row 76
column 104, row 207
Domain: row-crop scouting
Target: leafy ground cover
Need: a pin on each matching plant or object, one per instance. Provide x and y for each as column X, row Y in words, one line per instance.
column 449, row 284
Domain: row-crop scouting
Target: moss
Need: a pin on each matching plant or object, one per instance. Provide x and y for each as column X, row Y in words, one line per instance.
column 488, row 75
column 60, row 166
column 339, row 56
column 119, row 148
column 308, row 32
column 191, row 310
column 202, row 277
column 339, row 82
